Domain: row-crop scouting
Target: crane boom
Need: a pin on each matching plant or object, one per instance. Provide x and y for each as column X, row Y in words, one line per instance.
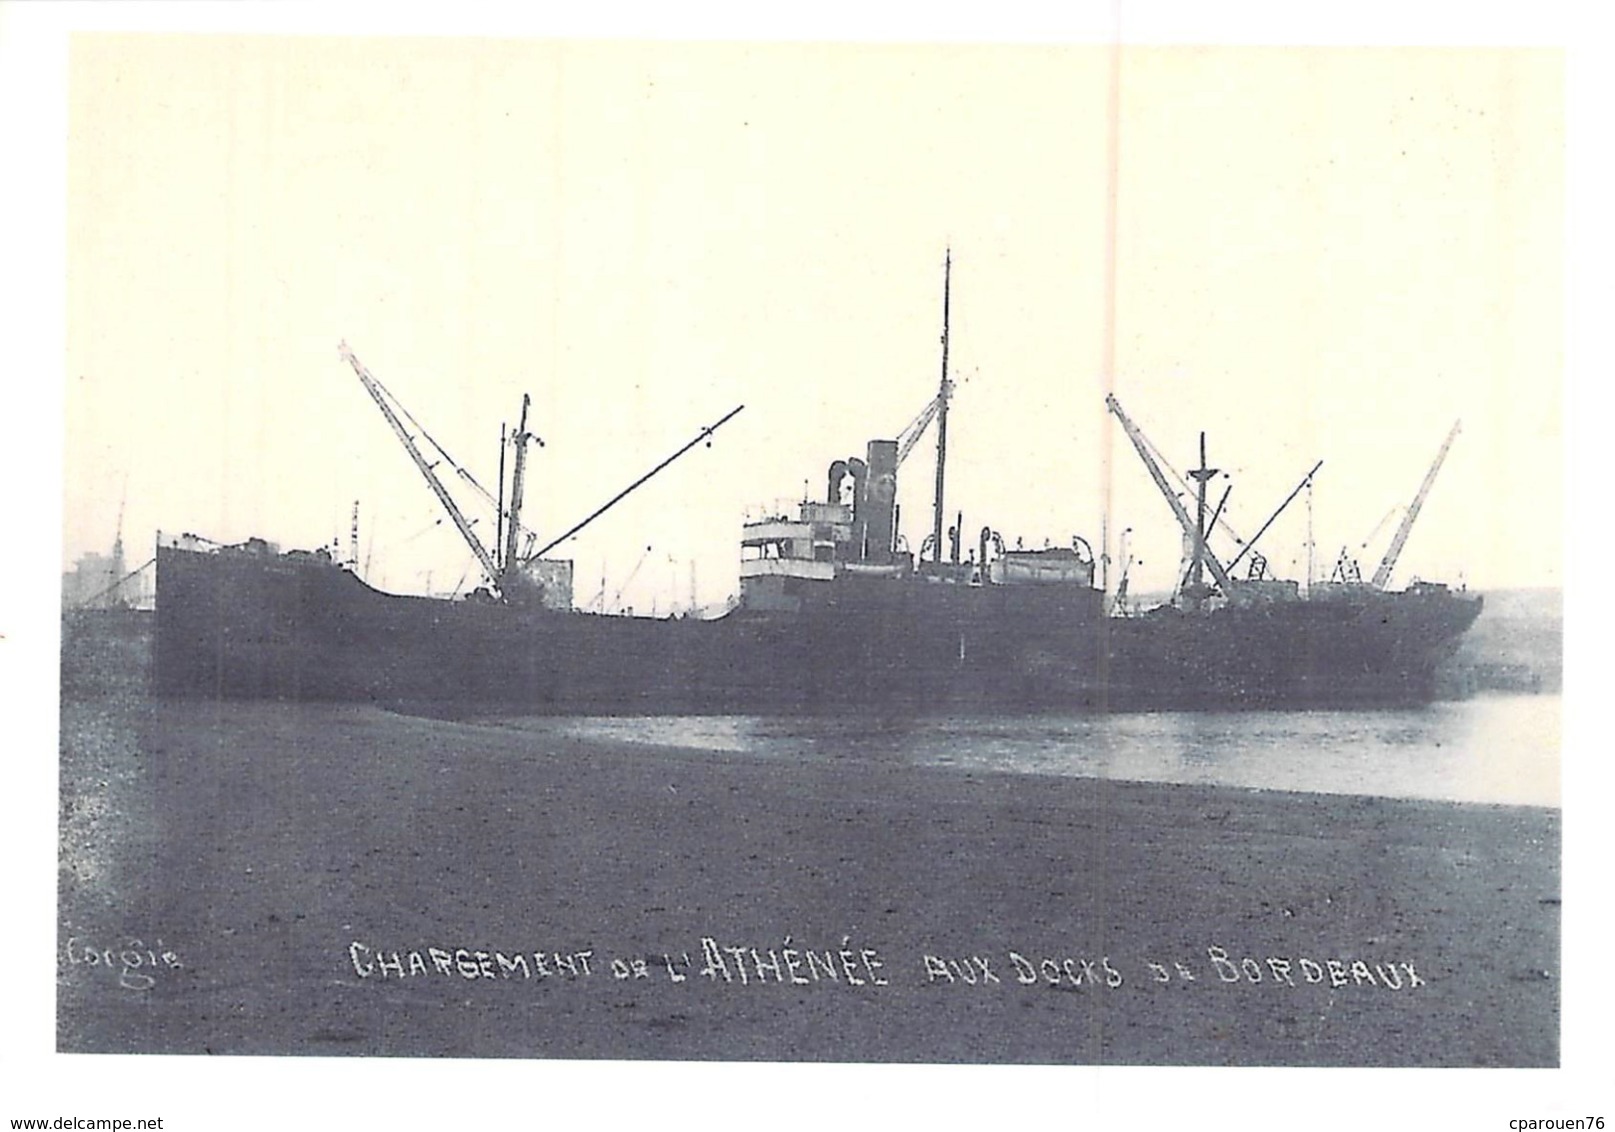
column 1382, row 575
column 1288, row 499
column 911, row 436
column 704, row 434
column 373, row 387
column 1178, row 478
column 1188, row 524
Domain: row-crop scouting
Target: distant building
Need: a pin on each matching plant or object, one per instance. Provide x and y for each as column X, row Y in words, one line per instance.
column 101, row 581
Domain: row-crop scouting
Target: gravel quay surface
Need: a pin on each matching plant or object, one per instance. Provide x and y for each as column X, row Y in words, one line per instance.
column 264, row 878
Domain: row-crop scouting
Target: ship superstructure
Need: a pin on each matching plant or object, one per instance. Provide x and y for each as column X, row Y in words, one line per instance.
column 835, row 613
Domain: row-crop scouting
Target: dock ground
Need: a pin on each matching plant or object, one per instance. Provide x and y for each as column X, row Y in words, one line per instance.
column 265, row 878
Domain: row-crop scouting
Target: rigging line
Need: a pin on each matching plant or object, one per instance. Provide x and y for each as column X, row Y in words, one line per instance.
column 705, row 434
column 430, row 439
column 1271, row 520
column 922, row 413
column 433, row 525
column 459, row 469
column 1184, row 484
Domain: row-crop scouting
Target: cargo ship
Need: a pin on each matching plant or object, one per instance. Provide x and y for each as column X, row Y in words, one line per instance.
column 834, row 614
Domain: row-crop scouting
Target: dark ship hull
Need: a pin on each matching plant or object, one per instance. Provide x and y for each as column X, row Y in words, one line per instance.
column 245, row 624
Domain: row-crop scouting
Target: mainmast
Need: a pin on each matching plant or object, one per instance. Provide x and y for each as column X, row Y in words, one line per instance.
column 944, row 391
column 1200, row 475
column 518, row 483
column 499, row 505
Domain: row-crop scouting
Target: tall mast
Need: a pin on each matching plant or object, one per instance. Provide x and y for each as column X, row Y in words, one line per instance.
column 517, row 484
column 1200, row 475
column 499, row 506
column 943, row 393
column 1179, row 512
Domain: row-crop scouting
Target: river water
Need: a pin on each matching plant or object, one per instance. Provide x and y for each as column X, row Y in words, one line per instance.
column 1490, row 749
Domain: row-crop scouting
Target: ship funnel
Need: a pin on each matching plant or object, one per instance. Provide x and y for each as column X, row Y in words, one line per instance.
column 881, row 501
column 838, row 472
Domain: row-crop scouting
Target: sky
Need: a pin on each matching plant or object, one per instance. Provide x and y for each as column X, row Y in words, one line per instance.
column 1319, row 254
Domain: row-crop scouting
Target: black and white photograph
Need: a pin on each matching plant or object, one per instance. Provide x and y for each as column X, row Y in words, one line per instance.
column 595, row 560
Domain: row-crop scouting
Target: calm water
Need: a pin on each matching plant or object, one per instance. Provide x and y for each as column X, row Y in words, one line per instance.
column 1502, row 749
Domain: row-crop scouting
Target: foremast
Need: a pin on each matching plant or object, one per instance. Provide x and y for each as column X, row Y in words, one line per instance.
column 518, row 485
column 944, row 394
column 1196, row 531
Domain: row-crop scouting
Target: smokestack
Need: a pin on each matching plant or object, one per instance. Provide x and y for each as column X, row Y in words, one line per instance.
column 881, row 500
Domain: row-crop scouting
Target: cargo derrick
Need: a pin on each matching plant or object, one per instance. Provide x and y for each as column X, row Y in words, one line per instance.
column 513, row 576
column 837, row 570
column 853, row 532
column 834, row 616
column 1348, row 573
column 510, row 576
column 705, row 434
column 1260, row 644
column 1258, row 586
column 1306, row 481
column 1202, row 555
column 859, row 537
column 428, row 471
column 1382, row 575
column 526, row 576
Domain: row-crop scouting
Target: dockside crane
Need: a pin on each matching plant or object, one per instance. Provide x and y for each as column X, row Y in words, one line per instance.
column 1196, row 531
column 1382, row 575
column 503, row 564
column 380, row 397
